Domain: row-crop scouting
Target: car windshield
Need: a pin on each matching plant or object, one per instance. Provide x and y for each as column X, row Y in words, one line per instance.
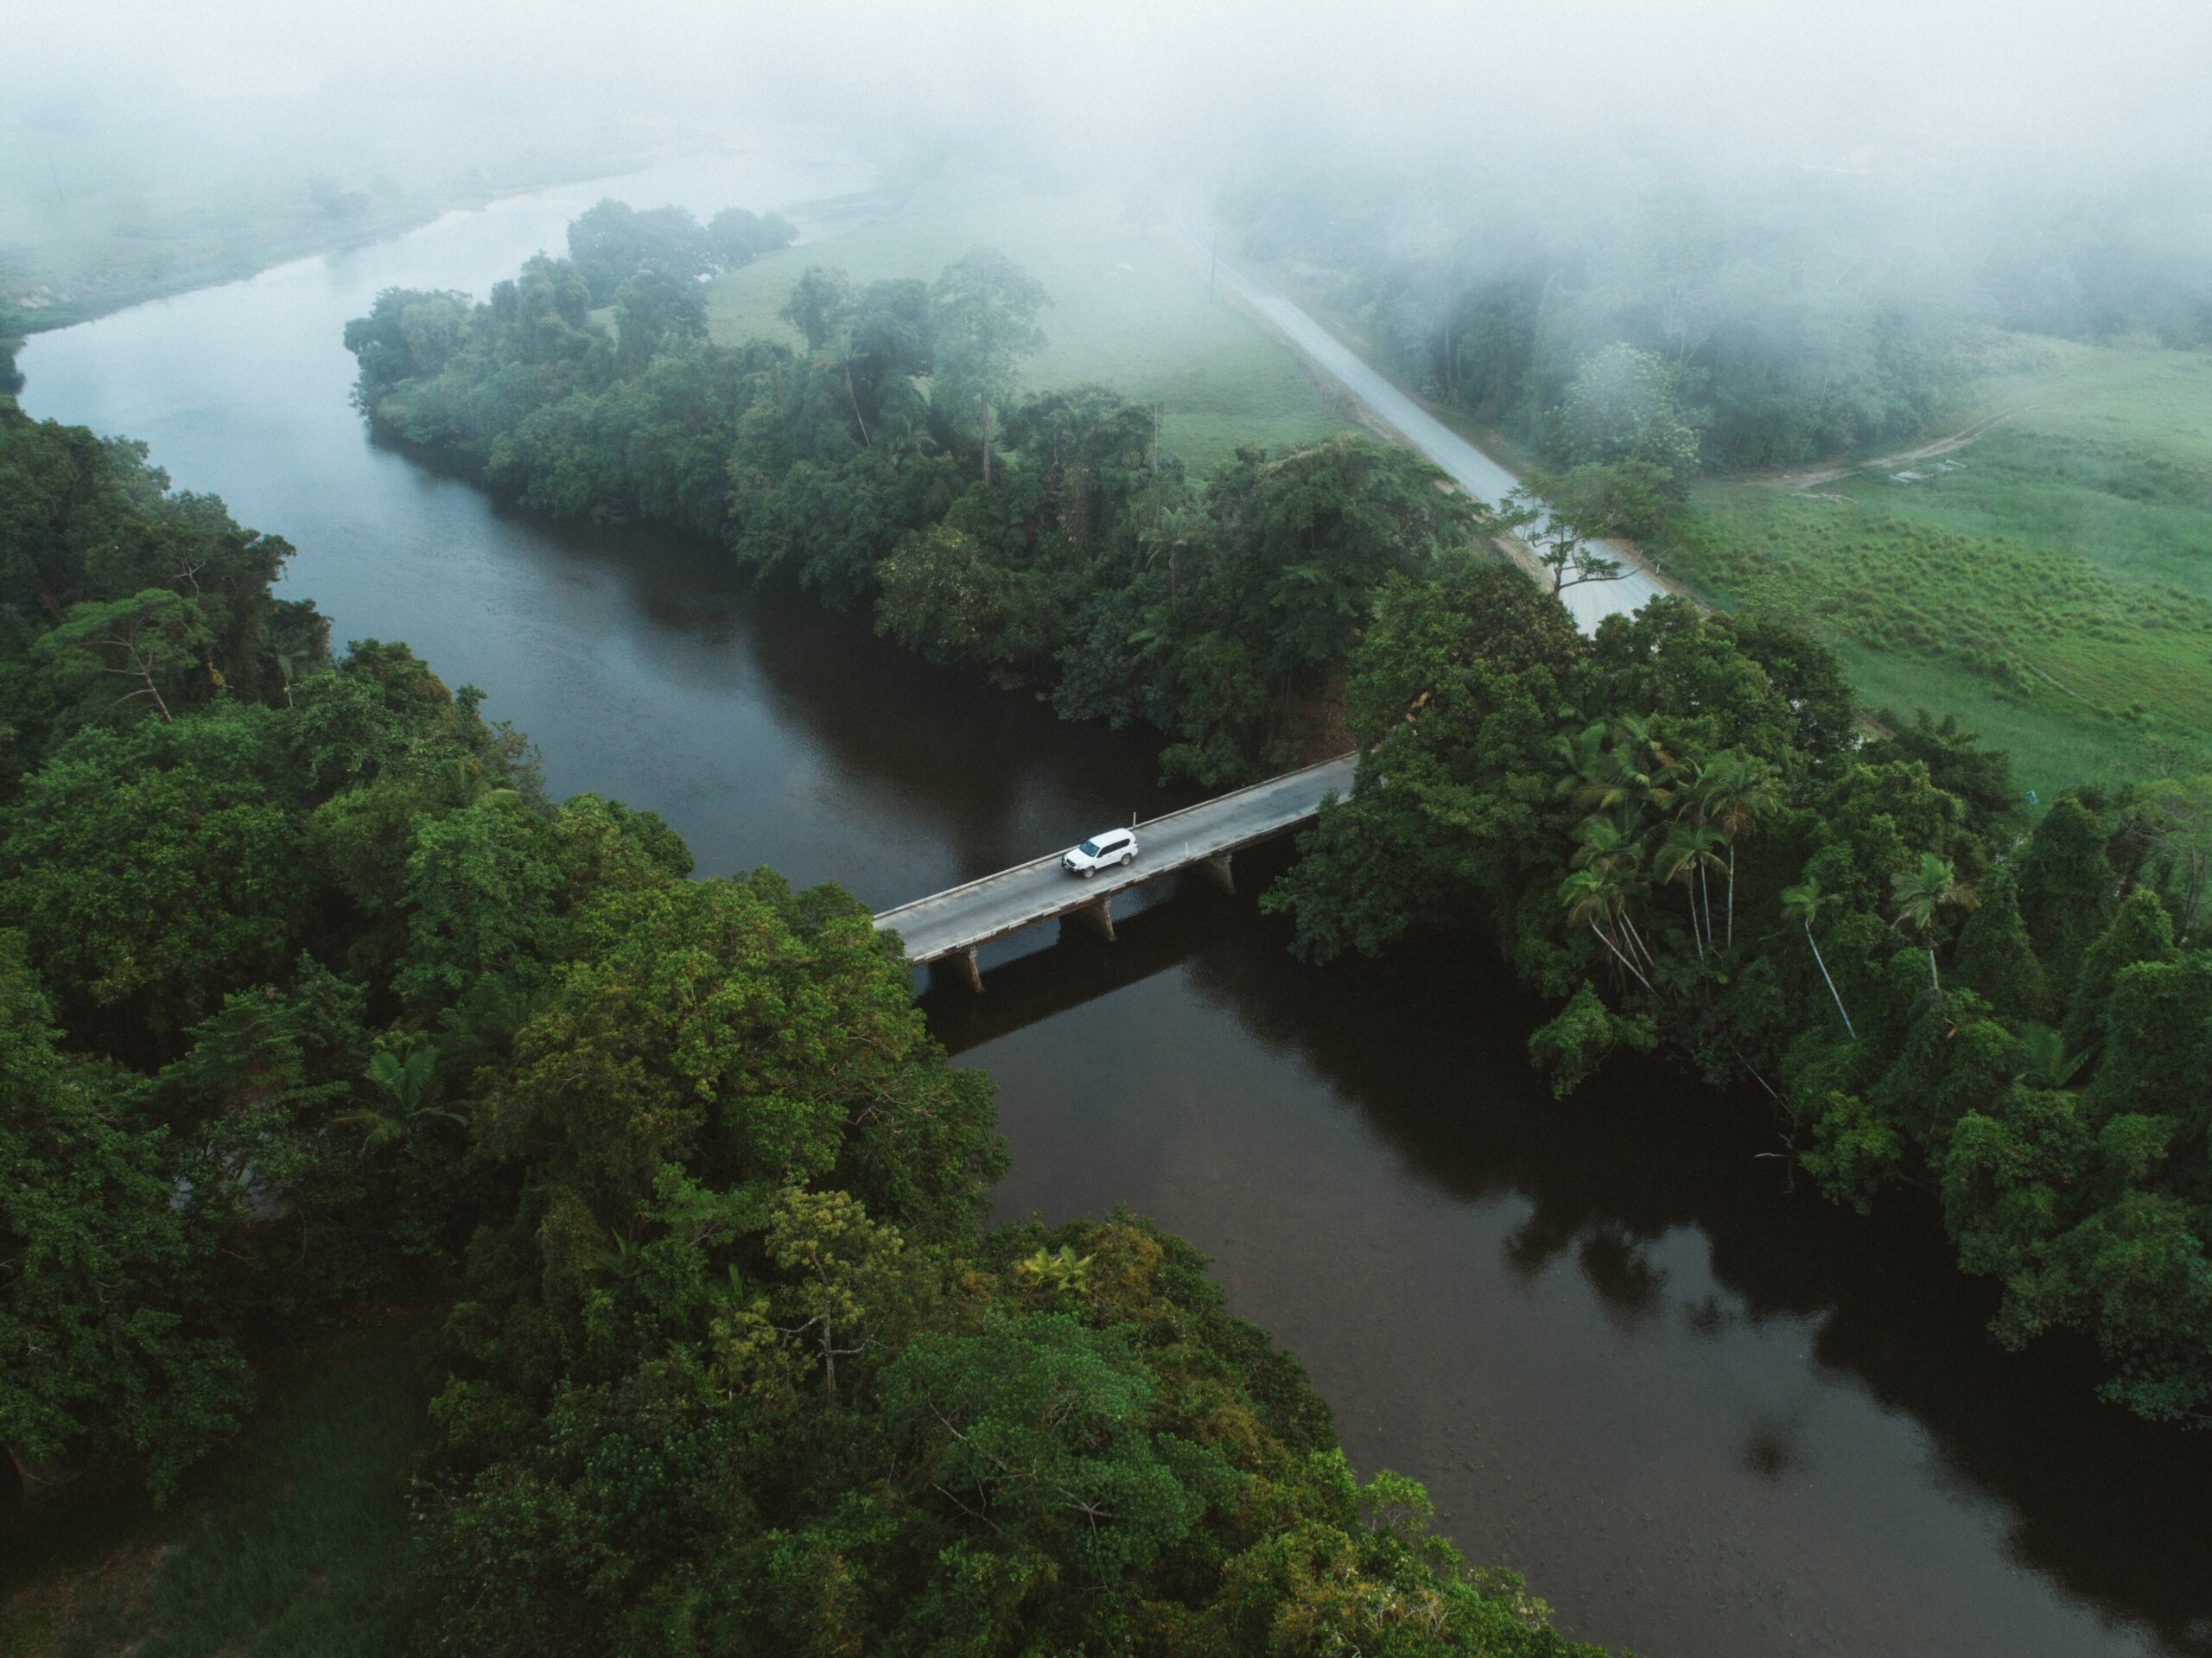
column 1089, row 848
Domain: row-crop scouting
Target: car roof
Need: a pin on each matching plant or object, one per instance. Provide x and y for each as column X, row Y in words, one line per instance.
column 1104, row 835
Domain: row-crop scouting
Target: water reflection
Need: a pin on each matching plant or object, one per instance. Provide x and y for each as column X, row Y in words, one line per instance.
column 1760, row 1351
column 1705, row 1414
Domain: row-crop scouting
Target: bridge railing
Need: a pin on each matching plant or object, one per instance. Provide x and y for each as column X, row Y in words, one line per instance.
column 1153, row 826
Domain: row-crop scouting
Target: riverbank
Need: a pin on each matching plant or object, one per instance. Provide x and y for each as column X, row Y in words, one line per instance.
column 1704, row 1415
column 195, row 242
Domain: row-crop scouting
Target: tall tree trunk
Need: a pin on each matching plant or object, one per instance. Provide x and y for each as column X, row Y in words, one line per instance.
column 1732, row 895
column 1823, row 966
column 1152, row 473
column 855, row 402
column 1635, row 934
column 1625, row 961
column 986, row 405
column 138, row 661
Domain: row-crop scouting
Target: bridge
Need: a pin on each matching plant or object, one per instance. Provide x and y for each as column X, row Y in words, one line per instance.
column 961, row 919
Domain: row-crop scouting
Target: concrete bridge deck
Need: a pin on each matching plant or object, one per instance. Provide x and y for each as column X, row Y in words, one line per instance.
column 956, row 921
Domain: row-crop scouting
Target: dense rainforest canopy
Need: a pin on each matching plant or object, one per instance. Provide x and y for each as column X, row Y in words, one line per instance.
column 1680, row 829
column 1677, row 829
column 310, row 995
column 890, row 462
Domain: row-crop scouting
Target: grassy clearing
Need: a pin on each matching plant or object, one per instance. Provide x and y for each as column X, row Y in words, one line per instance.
column 1129, row 311
column 2051, row 584
column 296, row 1544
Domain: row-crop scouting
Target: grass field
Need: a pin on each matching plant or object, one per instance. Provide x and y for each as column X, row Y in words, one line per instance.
column 2051, row 584
column 295, row 1543
column 1129, row 311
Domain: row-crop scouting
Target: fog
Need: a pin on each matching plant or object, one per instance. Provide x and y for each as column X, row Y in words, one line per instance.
column 2088, row 90
column 1904, row 171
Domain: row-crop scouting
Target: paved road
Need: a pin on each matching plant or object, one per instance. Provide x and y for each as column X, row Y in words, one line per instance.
column 1468, row 467
column 962, row 917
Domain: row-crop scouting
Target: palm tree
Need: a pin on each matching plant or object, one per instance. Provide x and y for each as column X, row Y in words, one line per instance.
column 1921, row 894
column 1164, row 533
column 1615, row 843
column 404, row 1083
column 1605, row 770
column 2043, row 1060
column 1594, row 899
column 1682, row 858
column 1802, row 905
column 1615, row 847
column 1641, row 761
column 1589, row 776
column 1736, row 792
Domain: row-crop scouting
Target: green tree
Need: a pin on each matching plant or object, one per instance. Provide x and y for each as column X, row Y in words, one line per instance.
column 483, row 897
column 986, row 309
column 847, row 1284
column 1980, row 778
column 1803, row 904
column 1636, row 499
column 745, row 1028
column 107, row 1348
column 1923, row 893
column 1995, row 955
column 132, row 647
column 611, row 241
column 2173, row 818
column 2157, row 1057
column 2142, row 1265
column 1305, row 542
column 1736, row 793
column 155, row 868
column 2067, row 885
column 656, row 310
column 2140, row 931
column 944, row 595
column 1454, row 696
column 1565, row 549
column 409, row 334
column 1624, row 405
column 818, row 304
column 739, row 237
column 1569, row 1047
column 1688, row 855
column 1036, row 1435
column 405, row 1081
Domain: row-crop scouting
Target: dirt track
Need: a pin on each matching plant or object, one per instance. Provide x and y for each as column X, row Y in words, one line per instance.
column 1941, row 446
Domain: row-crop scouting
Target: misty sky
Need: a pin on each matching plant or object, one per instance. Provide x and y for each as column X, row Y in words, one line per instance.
column 2077, row 85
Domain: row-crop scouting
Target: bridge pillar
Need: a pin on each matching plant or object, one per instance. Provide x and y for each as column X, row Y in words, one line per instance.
column 975, row 970
column 1100, row 916
column 1217, row 870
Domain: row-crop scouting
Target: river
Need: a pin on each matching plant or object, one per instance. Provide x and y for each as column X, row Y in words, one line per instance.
column 1704, row 1415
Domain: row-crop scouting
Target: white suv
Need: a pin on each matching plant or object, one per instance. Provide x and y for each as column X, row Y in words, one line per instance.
column 1113, row 846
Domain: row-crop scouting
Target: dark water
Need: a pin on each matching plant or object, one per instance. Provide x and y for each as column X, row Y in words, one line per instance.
column 1704, row 1415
